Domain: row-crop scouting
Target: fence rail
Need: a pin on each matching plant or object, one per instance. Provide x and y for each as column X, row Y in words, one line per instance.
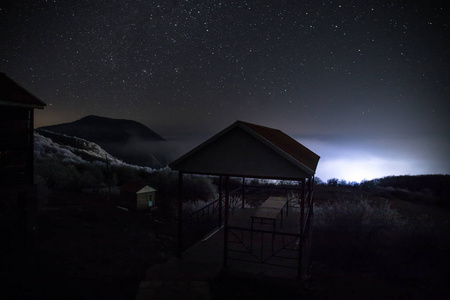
column 199, row 223
column 263, row 246
column 252, row 245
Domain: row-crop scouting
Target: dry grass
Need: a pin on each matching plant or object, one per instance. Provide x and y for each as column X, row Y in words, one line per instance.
column 402, row 244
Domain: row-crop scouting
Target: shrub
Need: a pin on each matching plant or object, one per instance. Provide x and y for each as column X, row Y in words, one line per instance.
column 198, row 188
column 358, row 216
column 350, row 231
column 332, row 182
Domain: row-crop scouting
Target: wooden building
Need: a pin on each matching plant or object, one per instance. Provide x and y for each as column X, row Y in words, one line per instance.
column 17, row 192
column 137, row 196
column 16, row 133
column 252, row 151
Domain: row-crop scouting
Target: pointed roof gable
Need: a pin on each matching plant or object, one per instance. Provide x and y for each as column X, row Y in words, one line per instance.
column 146, row 189
column 12, row 94
column 246, row 149
column 137, row 188
column 286, row 146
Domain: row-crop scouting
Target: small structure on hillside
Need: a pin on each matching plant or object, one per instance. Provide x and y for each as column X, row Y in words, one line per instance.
column 18, row 204
column 137, row 196
column 248, row 150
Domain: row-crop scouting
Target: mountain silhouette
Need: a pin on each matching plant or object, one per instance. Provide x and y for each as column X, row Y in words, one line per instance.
column 100, row 129
column 127, row 140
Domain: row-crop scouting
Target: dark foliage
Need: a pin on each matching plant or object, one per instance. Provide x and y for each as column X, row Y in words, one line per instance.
column 428, row 189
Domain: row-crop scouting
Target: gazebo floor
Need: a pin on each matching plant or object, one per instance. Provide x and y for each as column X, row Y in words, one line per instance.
column 204, row 261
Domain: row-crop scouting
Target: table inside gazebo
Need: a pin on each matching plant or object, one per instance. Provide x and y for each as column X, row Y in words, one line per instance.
column 269, row 211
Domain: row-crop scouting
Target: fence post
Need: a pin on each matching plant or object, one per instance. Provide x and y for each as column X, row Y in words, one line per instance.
column 180, row 213
column 312, row 194
column 302, row 205
column 220, row 200
column 300, row 252
column 225, row 233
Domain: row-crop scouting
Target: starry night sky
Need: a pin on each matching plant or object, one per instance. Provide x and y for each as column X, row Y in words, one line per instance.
column 364, row 84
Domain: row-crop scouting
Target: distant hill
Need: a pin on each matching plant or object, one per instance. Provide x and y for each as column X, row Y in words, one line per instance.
column 100, row 129
column 128, row 140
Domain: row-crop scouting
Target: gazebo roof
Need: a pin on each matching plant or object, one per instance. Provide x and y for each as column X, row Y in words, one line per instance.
column 12, row 94
column 250, row 150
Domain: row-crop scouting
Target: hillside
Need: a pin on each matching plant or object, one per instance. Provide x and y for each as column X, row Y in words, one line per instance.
column 128, row 140
column 50, row 145
column 71, row 164
column 100, row 129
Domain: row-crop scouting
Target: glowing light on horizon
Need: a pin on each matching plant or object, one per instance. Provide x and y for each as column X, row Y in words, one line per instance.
column 358, row 169
column 357, row 161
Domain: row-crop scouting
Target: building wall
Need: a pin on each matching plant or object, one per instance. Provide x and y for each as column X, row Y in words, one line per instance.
column 16, row 146
column 18, row 206
column 143, row 200
column 238, row 153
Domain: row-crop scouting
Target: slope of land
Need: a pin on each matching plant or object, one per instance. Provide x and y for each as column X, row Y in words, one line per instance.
column 100, row 129
column 128, row 140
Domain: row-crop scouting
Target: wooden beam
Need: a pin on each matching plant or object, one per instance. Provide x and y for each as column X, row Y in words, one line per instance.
column 312, row 191
column 300, row 256
column 30, row 155
column 180, row 214
column 243, row 191
column 302, row 218
column 302, row 205
column 225, row 233
column 220, row 200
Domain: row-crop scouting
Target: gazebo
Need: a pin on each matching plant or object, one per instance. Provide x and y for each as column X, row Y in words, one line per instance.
column 245, row 150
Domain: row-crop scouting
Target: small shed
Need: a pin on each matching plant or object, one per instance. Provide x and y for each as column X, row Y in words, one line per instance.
column 137, row 196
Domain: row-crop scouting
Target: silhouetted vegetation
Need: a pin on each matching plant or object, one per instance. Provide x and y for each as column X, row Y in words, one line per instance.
column 426, row 189
column 401, row 243
column 391, row 229
column 55, row 175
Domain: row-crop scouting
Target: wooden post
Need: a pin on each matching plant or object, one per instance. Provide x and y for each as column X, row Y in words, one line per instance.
column 302, row 206
column 225, row 233
column 220, row 200
column 30, row 159
column 243, row 191
column 180, row 214
column 300, row 239
column 312, row 191
column 300, row 256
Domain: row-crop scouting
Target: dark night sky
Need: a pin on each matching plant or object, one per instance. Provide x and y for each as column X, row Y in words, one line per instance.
column 364, row 84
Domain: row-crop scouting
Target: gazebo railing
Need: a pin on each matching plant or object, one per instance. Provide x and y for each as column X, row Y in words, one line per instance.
column 263, row 246
column 308, row 213
column 290, row 250
column 199, row 223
